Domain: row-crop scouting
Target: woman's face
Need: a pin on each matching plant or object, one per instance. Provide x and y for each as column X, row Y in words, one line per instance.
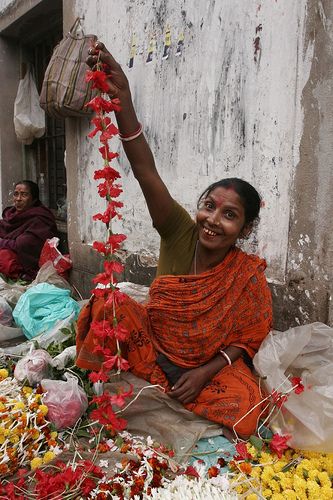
column 22, row 197
column 221, row 220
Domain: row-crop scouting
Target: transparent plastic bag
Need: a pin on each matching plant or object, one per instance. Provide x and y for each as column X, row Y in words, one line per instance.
column 29, row 117
column 305, row 352
column 41, row 307
column 66, row 401
column 58, row 334
column 6, row 316
column 34, row 366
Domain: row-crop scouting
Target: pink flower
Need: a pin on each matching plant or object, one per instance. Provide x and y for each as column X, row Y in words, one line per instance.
column 278, row 444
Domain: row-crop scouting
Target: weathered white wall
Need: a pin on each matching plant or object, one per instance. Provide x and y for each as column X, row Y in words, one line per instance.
column 229, row 105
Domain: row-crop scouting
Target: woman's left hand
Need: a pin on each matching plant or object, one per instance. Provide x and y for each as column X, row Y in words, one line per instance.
column 189, row 385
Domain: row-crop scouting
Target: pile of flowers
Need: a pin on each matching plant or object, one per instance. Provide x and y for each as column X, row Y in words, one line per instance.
column 292, row 474
column 26, row 437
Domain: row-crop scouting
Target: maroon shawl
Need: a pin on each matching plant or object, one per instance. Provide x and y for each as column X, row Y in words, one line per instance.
column 29, row 230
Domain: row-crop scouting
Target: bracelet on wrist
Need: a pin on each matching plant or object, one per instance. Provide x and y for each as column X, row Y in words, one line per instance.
column 226, row 357
column 133, row 135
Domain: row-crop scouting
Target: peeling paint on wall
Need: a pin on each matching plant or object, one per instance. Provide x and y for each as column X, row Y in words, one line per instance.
column 228, row 105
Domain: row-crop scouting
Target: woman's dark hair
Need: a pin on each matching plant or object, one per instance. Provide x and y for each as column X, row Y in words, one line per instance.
column 33, row 188
column 249, row 196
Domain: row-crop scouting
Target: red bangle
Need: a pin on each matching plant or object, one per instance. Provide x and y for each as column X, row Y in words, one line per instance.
column 132, row 135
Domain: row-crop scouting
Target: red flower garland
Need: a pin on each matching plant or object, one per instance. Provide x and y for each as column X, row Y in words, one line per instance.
column 106, row 282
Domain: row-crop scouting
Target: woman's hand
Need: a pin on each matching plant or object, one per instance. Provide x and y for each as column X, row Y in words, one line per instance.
column 189, row 385
column 118, row 82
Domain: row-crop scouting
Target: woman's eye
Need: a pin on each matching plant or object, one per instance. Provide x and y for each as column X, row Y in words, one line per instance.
column 229, row 214
column 209, row 205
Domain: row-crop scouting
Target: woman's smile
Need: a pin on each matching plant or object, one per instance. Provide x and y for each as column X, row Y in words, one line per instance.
column 220, row 221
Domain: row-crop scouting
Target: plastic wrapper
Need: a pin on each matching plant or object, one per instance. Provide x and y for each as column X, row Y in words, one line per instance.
column 66, row 356
column 48, row 274
column 305, row 352
column 33, row 366
column 58, row 334
column 6, row 316
column 66, row 401
column 41, row 307
column 50, row 253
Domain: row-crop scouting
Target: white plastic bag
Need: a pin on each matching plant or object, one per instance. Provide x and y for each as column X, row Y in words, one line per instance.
column 6, row 316
column 29, row 117
column 66, row 401
column 33, row 366
column 305, row 352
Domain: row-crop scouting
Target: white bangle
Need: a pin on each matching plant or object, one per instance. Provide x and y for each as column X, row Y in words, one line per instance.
column 226, row 357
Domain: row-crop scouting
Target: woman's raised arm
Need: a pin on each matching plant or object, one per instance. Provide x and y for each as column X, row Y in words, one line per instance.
column 138, row 152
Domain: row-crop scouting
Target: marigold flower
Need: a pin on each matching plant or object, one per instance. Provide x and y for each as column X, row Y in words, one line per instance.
column 36, row 463
column 48, row 456
column 3, row 373
column 245, row 467
column 27, row 390
column 43, row 409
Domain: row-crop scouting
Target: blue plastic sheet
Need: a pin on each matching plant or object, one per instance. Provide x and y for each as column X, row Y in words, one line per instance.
column 41, row 306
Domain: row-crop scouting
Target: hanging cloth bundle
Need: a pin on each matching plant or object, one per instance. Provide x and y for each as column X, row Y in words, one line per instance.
column 65, row 91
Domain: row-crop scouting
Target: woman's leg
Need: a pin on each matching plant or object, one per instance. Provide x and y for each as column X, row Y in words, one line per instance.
column 231, row 394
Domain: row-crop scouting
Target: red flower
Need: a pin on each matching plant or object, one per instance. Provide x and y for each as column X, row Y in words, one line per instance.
column 119, row 399
column 278, row 444
column 106, row 416
column 98, row 376
column 108, row 132
column 115, row 240
column 297, row 385
column 100, row 124
column 98, row 79
column 243, row 454
column 99, row 104
column 120, row 333
column 191, row 471
column 116, row 361
column 113, row 266
column 117, row 297
column 278, row 398
column 106, row 153
column 108, row 173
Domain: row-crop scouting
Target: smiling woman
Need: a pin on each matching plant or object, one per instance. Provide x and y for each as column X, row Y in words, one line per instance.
column 209, row 307
column 24, row 228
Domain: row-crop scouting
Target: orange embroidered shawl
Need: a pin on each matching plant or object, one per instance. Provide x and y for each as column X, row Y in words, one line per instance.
column 192, row 317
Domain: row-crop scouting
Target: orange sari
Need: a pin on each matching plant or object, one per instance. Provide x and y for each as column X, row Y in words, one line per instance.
column 189, row 319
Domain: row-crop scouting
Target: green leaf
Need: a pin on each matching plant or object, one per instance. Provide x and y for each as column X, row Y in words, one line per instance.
column 256, row 442
column 305, row 474
column 82, row 433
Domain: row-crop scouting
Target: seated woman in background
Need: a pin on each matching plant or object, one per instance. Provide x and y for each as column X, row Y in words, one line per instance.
column 210, row 305
column 24, row 228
